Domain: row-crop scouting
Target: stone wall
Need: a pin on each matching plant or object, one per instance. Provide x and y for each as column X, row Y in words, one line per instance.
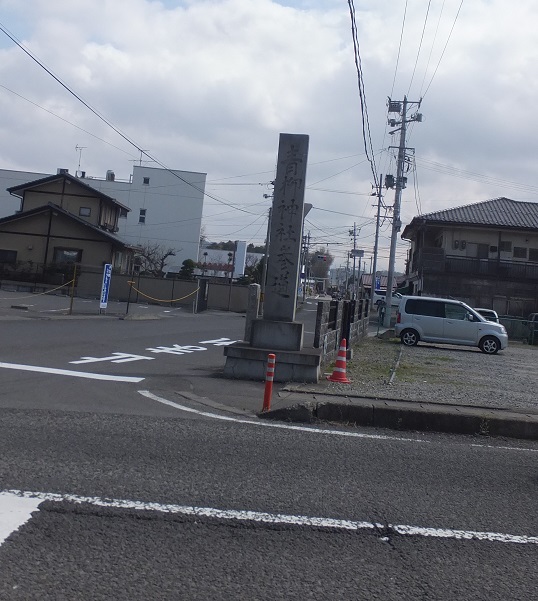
column 336, row 320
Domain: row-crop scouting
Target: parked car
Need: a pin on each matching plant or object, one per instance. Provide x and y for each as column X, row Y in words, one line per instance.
column 489, row 314
column 447, row 321
column 381, row 295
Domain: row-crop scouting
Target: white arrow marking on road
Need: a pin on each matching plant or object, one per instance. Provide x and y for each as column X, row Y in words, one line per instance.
column 68, row 372
column 14, row 512
column 265, row 424
column 279, row 518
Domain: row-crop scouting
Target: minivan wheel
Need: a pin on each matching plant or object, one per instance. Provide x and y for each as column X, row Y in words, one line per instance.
column 489, row 345
column 409, row 337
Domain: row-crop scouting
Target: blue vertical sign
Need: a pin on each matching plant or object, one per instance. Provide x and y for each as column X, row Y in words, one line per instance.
column 378, row 283
column 107, row 274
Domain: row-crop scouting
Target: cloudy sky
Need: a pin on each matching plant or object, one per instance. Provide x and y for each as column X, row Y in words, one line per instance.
column 208, row 85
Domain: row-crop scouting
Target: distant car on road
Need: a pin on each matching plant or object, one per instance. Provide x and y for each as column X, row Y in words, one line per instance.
column 489, row 314
column 381, row 295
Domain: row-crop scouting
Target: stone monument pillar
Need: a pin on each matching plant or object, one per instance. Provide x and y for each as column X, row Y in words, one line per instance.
column 277, row 331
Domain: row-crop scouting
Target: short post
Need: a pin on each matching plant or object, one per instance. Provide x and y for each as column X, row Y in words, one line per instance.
column 73, row 289
column 130, row 284
column 269, row 382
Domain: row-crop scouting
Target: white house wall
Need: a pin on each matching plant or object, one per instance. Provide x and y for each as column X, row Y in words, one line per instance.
column 491, row 238
column 173, row 203
column 11, row 204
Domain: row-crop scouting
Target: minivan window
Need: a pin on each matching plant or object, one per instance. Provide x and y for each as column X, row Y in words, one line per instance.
column 418, row 306
column 455, row 311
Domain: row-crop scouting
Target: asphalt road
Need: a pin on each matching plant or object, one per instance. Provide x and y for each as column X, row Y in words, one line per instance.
column 173, row 499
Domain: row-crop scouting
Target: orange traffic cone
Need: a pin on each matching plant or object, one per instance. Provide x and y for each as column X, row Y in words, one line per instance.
column 339, row 372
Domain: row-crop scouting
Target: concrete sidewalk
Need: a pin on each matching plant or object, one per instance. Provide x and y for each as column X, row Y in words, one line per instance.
column 403, row 415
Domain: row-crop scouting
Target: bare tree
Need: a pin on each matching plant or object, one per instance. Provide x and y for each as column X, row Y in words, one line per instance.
column 320, row 263
column 251, row 261
column 153, row 258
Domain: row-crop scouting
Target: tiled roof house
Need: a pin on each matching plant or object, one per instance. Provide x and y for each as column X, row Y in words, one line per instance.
column 484, row 253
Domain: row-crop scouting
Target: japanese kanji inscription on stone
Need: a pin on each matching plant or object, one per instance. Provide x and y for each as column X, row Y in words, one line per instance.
column 286, row 229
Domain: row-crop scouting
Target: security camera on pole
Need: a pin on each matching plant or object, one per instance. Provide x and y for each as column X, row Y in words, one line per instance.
column 400, row 108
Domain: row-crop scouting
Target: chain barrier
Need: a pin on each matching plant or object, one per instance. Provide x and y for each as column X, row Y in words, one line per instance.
column 38, row 293
column 162, row 300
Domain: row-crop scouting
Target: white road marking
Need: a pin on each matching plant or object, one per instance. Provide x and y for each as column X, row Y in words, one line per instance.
column 15, row 510
column 278, row 518
column 267, row 424
column 490, row 446
column 68, row 372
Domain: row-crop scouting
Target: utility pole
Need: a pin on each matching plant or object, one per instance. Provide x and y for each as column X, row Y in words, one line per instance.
column 376, row 241
column 264, row 270
column 347, row 276
column 401, row 108
column 306, row 263
column 354, row 254
column 353, row 296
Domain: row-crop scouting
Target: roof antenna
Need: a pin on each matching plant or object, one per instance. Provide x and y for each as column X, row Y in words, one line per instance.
column 79, row 149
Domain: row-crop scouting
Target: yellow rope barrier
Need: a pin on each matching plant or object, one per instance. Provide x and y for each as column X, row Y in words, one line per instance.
column 38, row 293
column 163, row 300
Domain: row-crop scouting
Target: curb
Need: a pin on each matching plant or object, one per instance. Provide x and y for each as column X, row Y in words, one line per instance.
column 409, row 415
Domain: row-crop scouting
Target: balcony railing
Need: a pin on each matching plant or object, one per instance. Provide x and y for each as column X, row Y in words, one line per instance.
column 437, row 262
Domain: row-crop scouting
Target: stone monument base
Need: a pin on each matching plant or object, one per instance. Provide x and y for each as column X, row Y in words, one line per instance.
column 245, row 362
column 276, row 335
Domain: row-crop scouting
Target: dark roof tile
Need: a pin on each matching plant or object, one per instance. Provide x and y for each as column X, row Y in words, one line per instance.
column 497, row 212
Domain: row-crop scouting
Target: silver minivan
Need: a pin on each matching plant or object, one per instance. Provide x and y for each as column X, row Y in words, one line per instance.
column 447, row 321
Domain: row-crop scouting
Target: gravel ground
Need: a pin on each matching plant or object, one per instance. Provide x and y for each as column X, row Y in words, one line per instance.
column 384, row 368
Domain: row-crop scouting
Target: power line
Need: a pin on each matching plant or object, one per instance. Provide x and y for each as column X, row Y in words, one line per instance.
column 473, row 176
column 420, row 45
column 432, row 46
column 444, row 49
column 64, row 120
column 399, row 50
column 362, row 93
column 108, row 123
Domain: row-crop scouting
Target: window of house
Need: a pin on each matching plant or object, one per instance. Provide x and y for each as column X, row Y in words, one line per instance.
column 145, row 181
column 533, row 254
column 142, row 216
column 67, row 255
column 505, row 246
column 84, row 211
column 123, row 212
column 520, row 252
column 492, row 249
column 8, row 256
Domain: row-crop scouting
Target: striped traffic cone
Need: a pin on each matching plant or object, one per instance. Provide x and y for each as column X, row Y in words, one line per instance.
column 339, row 372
